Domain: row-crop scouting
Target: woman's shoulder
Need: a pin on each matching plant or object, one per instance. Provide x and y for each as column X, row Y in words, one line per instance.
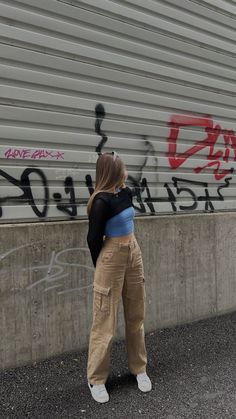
column 108, row 196
column 128, row 190
column 100, row 204
column 102, row 196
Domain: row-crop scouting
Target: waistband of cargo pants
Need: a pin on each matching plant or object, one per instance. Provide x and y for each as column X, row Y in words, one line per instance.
column 131, row 244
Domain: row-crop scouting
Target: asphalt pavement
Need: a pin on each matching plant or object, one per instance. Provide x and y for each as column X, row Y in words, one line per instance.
column 192, row 368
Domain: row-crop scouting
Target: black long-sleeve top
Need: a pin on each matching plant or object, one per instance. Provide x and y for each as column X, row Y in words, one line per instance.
column 104, row 206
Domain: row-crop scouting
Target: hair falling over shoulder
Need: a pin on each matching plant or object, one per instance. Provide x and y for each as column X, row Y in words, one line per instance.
column 110, row 173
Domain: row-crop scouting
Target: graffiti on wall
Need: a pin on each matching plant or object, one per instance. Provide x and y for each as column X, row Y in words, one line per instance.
column 211, row 134
column 50, row 274
column 27, row 193
column 35, row 154
column 181, row 185
column 219, row 146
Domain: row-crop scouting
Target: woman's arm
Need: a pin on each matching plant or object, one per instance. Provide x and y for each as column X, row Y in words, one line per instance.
column 97, row 221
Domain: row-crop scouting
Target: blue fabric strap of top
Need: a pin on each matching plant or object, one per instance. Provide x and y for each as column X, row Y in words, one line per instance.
column 121, row 224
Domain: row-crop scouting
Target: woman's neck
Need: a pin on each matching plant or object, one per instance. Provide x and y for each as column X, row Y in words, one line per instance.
column 114, row 190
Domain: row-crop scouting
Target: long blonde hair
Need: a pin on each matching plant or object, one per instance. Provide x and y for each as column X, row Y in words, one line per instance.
column 110, row 173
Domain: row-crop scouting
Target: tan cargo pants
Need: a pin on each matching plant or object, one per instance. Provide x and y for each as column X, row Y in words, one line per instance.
column 119, row 272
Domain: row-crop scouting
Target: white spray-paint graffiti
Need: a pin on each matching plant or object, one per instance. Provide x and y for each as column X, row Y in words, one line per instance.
column 55, row 269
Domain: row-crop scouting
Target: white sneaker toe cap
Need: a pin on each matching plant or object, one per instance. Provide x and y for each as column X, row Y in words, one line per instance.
column 144, row 382
column 99, row 392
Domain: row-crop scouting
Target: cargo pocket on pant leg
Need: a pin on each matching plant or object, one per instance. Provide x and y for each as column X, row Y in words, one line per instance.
column 101, row 298
column 135, row 296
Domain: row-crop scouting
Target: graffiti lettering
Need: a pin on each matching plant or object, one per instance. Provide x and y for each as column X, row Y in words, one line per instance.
column 140, row 184
column 70, row 209
column 89, row 184
column 22, row 153
column 24, row 185
column 58, row 268
column 212, row 135
column 180, row 187
column 180, row 194
column 174, row 190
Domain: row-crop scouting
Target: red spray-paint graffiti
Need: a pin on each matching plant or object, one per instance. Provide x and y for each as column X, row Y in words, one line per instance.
column 212, row 134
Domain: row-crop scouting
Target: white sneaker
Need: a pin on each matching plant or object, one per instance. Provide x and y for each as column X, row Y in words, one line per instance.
column 144, row 382
column 99, row 392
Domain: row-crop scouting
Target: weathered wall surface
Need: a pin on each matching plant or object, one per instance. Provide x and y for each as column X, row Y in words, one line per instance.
column 152, row 80
column 164, row 72
column 47, row 275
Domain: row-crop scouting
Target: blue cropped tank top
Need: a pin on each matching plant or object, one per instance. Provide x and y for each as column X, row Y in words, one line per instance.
column 121, row 224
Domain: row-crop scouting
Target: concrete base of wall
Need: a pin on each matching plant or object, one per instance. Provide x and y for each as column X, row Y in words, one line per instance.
column 47, row 274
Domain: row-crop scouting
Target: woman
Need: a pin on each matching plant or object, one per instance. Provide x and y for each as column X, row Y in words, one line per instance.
column 119, row 273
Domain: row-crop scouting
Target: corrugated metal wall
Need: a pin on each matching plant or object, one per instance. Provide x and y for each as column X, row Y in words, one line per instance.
column 164, row 74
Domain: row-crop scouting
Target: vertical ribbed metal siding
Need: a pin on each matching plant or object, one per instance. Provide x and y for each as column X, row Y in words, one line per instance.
column 164, row 72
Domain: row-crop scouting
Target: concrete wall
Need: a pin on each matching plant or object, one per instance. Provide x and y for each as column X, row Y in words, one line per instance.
column 156, row 79
column 46, row 280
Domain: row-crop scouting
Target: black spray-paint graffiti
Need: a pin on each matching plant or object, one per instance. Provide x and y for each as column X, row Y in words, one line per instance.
column 71, row 208
column 139, row 185
column 205, row 197
column 24, row 185
column 100, row 115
